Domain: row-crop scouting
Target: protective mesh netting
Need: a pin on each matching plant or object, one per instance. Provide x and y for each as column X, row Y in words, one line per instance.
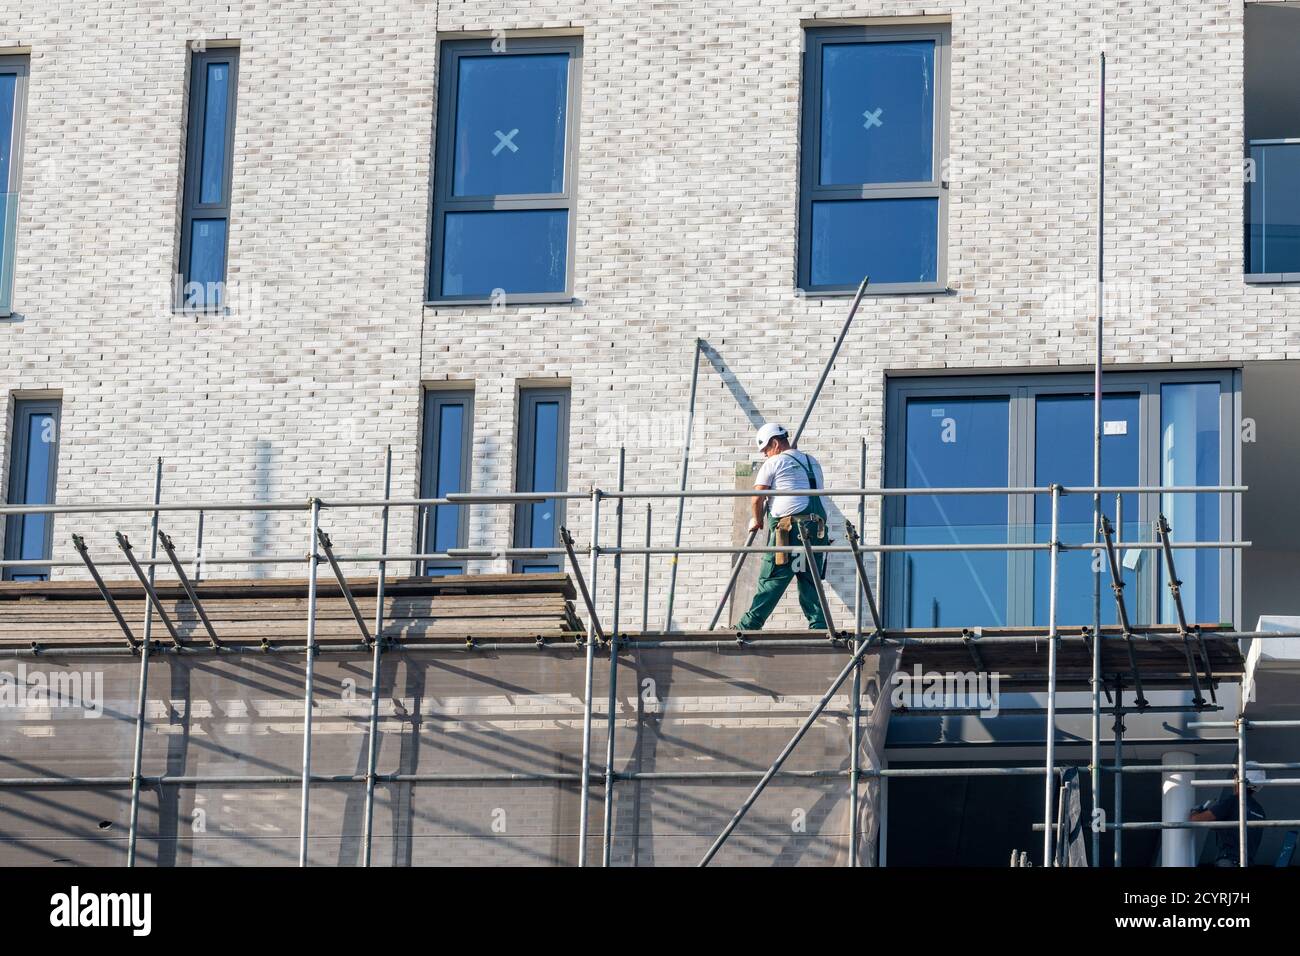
column 478, row 714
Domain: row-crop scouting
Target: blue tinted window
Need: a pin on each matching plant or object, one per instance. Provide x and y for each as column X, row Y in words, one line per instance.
column 1052, row 443
column 8, row 227
column 445, row 470
column 1275, row 209
column 546, row 477
column 1189, row 455
column 510, row 124
column 207, row 265
column 37, row 491
column 877, row 112
column 543, row 448
column 8, row 100
column 950, row 443
column 503, row 190
column 212, row 172
column 1063, row 449
column 522, row 250
column 891, row 240
column 35, row 450
column 446, row 518
column 206, row 214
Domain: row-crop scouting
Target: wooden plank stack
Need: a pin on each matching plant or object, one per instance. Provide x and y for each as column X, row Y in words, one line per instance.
column 502, row 607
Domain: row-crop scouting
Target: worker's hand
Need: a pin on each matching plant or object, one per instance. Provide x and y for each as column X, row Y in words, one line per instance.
column 755, row 524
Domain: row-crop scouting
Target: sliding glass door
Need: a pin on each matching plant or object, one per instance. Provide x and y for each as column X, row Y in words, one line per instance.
column 1167, row 429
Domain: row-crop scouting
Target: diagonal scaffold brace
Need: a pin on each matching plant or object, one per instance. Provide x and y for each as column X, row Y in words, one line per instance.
column 878, row 627
column 853, row 663
column 1117, row 586
column 327, row 546
column 79, row 543
column 810, row 562
column 1188, row 632
column 169, row 547
column 125, row 544
column 567, row 539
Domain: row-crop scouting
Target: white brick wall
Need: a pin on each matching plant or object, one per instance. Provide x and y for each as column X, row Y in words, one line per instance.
column 686, row 223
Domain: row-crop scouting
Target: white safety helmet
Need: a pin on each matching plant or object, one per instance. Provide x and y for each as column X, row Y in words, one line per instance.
column 768, row 432
column 1254, row 778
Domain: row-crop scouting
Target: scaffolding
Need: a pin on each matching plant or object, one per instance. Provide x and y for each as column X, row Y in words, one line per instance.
column 1191, row 655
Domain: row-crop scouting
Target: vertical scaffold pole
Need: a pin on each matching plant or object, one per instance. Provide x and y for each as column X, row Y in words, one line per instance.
column 137, row 758
column 376, row 651
column 607, row 824
column 1119, row 776
column 1095, row 682
column 855, row 715
column 645, row 572
column 681, row 502
column 585, row 787
column 1049, row 785
column 313, row 561
column 1243, row 857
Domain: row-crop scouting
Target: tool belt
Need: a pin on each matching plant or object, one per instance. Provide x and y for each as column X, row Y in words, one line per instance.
column 811, row 527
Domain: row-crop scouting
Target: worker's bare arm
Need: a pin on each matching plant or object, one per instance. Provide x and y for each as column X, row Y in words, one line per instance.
column 1201, row 816
column 759, row 508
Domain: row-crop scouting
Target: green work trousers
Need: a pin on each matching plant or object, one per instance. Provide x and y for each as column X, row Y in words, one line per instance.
column 774, row 578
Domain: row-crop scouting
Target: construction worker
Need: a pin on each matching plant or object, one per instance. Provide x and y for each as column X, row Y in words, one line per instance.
column 1226, row 809
column 788, row 518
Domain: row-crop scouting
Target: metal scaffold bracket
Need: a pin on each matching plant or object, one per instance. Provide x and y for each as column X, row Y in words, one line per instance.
column 327, row 546
column 878, row 627
column 567, row 539
column 810, row 562
column 125, row 544
column 190, row 593
column 1121, row 609
column 1188, row 632
column 79, row 543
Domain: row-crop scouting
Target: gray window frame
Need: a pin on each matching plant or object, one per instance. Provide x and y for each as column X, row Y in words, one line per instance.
column 435, row 399
column 16, row 493
column 21, row 67
column 1022, row 389
column 815, row 38
column 191, row 207
column 1262, row 278
column 526, row 446
column 443, row 202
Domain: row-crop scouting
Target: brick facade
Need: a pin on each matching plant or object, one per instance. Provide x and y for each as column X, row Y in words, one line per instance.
column 686, row 226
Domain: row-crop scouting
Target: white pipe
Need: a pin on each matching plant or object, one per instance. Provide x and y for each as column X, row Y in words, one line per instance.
column 1177, row 847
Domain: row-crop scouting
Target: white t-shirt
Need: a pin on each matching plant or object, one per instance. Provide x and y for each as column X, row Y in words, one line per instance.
column 782, row 472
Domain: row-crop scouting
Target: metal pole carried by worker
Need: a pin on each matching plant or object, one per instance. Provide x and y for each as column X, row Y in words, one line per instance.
column 788, row 519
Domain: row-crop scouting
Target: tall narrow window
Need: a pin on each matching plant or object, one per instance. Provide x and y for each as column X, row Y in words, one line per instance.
column 13, row 97
column 205, row 221
column 33, row 461
column 1273, row 229
column 1271, row 34
column 444, row 470
column 504, row 171
column 1063, row 446
column 1190, row 452
column 542, row 466
column 872, row 198
column 952, row 441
